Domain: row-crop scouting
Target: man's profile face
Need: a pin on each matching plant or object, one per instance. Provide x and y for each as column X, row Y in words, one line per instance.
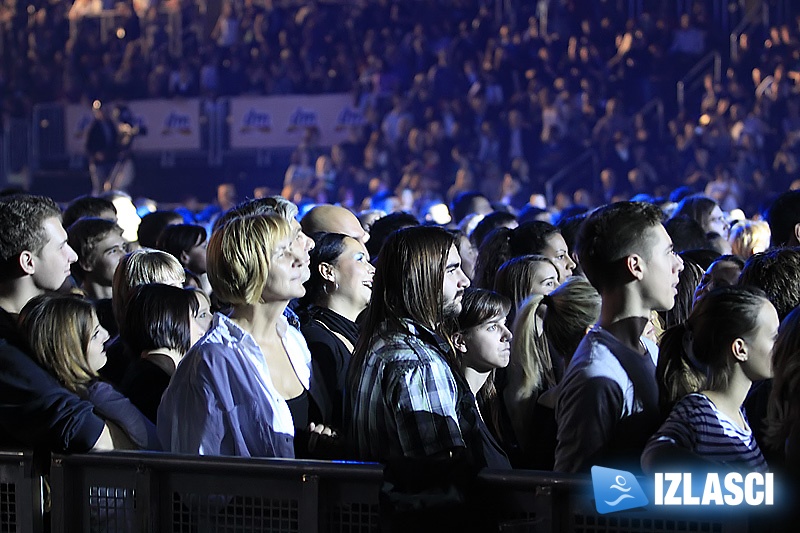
column 455, row 281
column 662, row 269
column 53, row 260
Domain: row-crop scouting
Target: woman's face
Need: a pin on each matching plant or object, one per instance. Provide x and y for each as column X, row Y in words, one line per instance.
column 196, row 258
column 288, row 270
column 717, row 223
column 545, row 278
column 557, row 251
column 759, row 354
column 488, row 345
column 96, row 350
column 353, row 273
column 200, row 322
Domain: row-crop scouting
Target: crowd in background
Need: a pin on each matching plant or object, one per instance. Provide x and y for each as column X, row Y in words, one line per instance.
column 453, row 97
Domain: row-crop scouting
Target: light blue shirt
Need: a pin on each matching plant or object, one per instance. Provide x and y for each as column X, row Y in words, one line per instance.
column 221, row 400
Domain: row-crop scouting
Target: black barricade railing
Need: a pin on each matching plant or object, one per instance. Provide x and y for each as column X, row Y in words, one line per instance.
column 161, row 492
column 23, row 492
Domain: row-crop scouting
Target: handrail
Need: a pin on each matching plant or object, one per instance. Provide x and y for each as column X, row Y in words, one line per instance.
column 749, row 18
column 694, row 73
column 589, row 154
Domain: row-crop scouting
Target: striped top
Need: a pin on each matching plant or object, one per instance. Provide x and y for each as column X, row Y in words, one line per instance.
column 696, row 424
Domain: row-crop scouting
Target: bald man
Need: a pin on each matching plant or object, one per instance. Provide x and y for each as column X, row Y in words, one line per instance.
column 333, row 219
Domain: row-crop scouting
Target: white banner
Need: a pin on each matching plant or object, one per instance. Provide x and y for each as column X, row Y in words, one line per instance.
column 170, row 124
column 281, row 121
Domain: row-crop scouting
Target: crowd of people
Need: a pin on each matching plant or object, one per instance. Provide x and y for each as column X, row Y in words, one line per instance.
column 552, row 347
column 453, row 97
column 410, row 297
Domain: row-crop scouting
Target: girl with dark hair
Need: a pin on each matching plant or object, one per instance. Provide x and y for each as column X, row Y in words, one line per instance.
column 66, row 339
column 706, row 212
column 532, row 238
column 707, row 364
column 338, row 290
column 162, row 323
column 188, row 244
column 483, row 342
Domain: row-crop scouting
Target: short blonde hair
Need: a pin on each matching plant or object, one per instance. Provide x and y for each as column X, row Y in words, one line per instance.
column 749, row 237
column 139, row 267
column 239, row 254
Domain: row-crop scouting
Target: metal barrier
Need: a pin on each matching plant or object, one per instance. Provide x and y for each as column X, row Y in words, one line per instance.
column 160, row 492
column 22, row 492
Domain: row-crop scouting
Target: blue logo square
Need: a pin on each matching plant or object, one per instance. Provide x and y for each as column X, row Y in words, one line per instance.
column 616, row 490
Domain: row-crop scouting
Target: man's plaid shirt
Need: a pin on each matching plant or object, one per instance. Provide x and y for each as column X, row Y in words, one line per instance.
column 407, row 398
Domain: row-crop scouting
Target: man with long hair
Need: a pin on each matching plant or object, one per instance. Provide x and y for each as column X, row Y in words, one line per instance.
column 410, row 408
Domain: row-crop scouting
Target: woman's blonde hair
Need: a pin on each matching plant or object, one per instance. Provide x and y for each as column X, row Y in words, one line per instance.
column 749, row 237
column 564, row 315
column 58, row 329
column 139, row 267
column 239, row 255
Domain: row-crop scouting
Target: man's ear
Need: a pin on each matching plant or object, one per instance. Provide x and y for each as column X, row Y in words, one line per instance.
column 635, row 265
column 739, row 349
column 27, row 263
column 85, row 265
column 796, row 235
column 458, row 342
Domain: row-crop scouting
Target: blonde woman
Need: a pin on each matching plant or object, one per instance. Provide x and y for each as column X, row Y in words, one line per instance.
column 246, row 388
column 547, row 332
column 66, row 339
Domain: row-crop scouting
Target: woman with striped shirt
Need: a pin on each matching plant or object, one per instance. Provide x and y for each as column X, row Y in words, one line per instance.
column 708, row 364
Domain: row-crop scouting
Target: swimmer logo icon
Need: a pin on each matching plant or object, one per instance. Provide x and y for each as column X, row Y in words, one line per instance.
column 616, row 490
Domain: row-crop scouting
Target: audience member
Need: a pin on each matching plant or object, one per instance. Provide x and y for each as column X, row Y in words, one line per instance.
column 607, row 404
column 100, row 246
column 246, row 389
column 88, row 206
column 539, row 356
column 409, row 405
column 337, row 292
column 66, row 339
column 37, row 411
column 749, row 237
column 709, row 363
column 136, row 268
column 162, row 323
column 333, row 219
column 483, row 343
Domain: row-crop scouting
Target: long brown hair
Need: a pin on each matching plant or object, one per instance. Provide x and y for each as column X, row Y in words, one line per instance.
column 58, row 329
column 408, row 283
